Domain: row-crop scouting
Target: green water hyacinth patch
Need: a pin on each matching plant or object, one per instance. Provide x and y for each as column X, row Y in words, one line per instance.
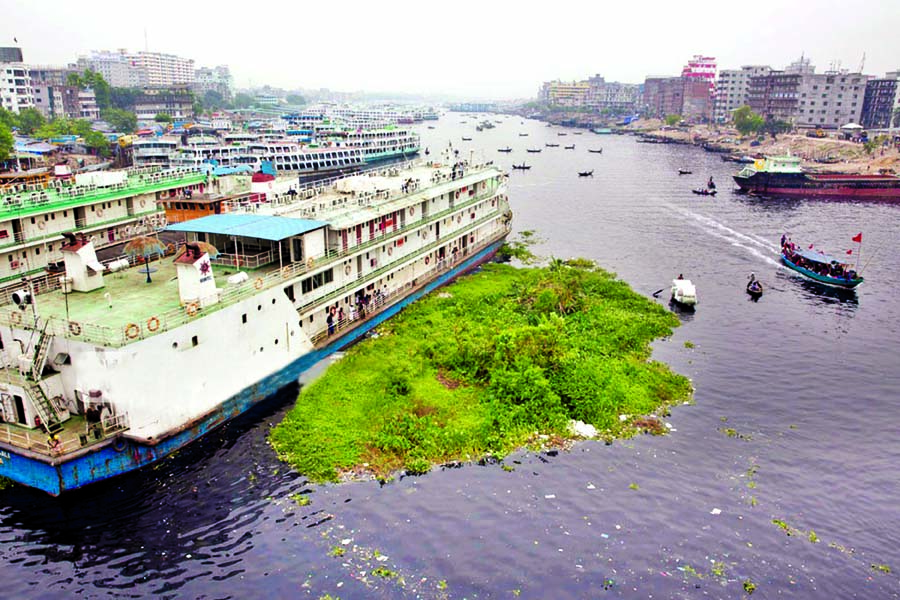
column 482, row 367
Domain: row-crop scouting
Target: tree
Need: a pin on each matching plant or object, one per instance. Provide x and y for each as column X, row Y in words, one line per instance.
column 746, row 121
column 196, row 106
column 30, row 120
column 122, row 121
column 95, row 81
column 896, row 117
column 98, row 141
column 214, row 100
column 244, row 101
column 162, row 118
column 775, row 126
column 7, row 143
column 8, row 118
column 673, row 120
column 123, row 98
column 296, row 99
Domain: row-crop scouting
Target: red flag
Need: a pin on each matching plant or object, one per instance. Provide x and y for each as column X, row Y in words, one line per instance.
column 810, row 246
column 849, row 251
column 858, row 238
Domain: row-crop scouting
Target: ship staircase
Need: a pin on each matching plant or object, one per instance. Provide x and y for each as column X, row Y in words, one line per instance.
column 51, row 420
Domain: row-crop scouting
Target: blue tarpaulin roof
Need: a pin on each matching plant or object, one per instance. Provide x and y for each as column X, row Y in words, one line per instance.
column 263, row 227
column 816, row 256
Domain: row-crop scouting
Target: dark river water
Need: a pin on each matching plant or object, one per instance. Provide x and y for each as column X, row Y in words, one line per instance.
column 796, row 419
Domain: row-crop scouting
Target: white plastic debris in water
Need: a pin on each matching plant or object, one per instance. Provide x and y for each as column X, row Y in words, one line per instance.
column 591, row 486
column 550, row 496
column 581, row 429
column 716, row 511
column 623, row 417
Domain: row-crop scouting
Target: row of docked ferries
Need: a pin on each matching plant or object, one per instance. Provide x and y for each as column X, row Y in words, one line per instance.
column 108, row 368
column 302, row 152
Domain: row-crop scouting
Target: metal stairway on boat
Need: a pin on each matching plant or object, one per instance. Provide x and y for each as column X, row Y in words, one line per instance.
column 49, row 416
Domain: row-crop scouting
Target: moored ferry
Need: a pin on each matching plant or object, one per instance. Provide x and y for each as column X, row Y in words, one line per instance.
column 783, row 176
column 112, row 367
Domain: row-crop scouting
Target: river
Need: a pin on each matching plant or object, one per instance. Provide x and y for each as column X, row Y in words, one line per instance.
column 796, row 419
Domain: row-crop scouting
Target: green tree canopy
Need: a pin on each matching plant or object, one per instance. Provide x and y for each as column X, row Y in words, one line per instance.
column 7, row 144
column 672, row 120
column 123, row 98
column 746, row 121
column 296, row 99
column 8, row 118
column 95, row 81
column 775, row 126
column 214, row 100
column 30, row 120
column 122, row 121
column 162, row 118
column 96, row 140
column 244, row 101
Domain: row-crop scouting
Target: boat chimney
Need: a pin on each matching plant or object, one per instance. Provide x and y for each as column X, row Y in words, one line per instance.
column 196, row 282
column 82, row 266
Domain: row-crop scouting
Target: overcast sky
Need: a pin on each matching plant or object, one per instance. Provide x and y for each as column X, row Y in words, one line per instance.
column 484, row 49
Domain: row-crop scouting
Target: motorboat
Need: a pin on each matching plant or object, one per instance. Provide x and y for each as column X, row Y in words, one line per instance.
column 704, row 192
column 680, row 171
column 586, row 173
column 572, row 147
column 522, row 167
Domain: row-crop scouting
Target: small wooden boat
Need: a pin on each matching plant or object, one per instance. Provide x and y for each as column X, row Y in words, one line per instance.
column 684, row 172
column 552, row 145
column 821, row 267
column 572, row 147
column 704, row 192
column 533, row 150
column 577, row 132
column 754, row 287
column 586, row 173
column 684, row 292
column 600, row 151
column 507, row 149
column 523, row 135
column 522, row 167
column 561, row 133
column 465, row 139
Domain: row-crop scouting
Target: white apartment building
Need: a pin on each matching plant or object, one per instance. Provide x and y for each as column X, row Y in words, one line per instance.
column 733, row 90
column 216, row 79
column 15, row 87
column 831, row 99
column 163, row 69
column 115, row 67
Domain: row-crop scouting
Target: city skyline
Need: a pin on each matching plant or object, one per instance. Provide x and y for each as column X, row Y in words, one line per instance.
column 472, row 51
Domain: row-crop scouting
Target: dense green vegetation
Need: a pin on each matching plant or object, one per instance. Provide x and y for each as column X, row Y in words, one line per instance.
column 482, row 367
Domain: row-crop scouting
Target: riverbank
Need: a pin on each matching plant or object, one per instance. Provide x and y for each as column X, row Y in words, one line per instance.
column 502, row 359
column 817, row 154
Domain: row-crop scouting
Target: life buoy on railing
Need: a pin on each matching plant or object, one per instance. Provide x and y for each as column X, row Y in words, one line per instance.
column 42, row 225
column 152, row 323
column 15, row 317
column 258, row 283
column 310, row 262
column 143, row 203
column 192, row 308
column 118, row 444
column 425, row 234
column 99, row 212
column 459, row 218
column 347, row 269
column 427, row 259
column 457, row 194
column 132, row 331
column 74, row 327
column 390, row 250
column 412, row 211
column 285, row 272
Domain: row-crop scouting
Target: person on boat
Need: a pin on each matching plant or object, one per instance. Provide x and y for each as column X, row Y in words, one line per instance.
column 711, row 184
column 680, row 276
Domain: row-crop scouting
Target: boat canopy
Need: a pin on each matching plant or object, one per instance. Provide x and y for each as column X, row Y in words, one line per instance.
column 817, row 257
column 261, row 227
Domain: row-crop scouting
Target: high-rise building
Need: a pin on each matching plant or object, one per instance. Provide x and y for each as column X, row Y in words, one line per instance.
column 882, row 102
column 115, row 67
column 612, row 95
column 564, row 93
column 217, row 79
column 733, row 90
column 139, row 69
column 809, row 99
column 701, row 67
column 15, row 82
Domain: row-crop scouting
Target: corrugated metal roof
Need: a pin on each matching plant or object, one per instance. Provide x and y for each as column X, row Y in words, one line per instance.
column 263, row 227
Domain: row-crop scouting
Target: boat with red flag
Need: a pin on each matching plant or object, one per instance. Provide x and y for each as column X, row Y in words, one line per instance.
column 819, row 266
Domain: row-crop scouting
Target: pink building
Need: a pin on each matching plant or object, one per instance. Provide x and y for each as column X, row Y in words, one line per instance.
column 701, row 67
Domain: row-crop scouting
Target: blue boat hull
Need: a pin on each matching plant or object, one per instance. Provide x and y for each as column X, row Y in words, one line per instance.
column 124, row 455
column 847, row 284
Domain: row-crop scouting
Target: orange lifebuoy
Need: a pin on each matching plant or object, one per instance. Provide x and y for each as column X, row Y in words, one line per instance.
column 152, row 323
column 285, row 272
column 15, row 317
column 192, row 308
column 258, row 283
column 75, row 327
column 132, row 331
